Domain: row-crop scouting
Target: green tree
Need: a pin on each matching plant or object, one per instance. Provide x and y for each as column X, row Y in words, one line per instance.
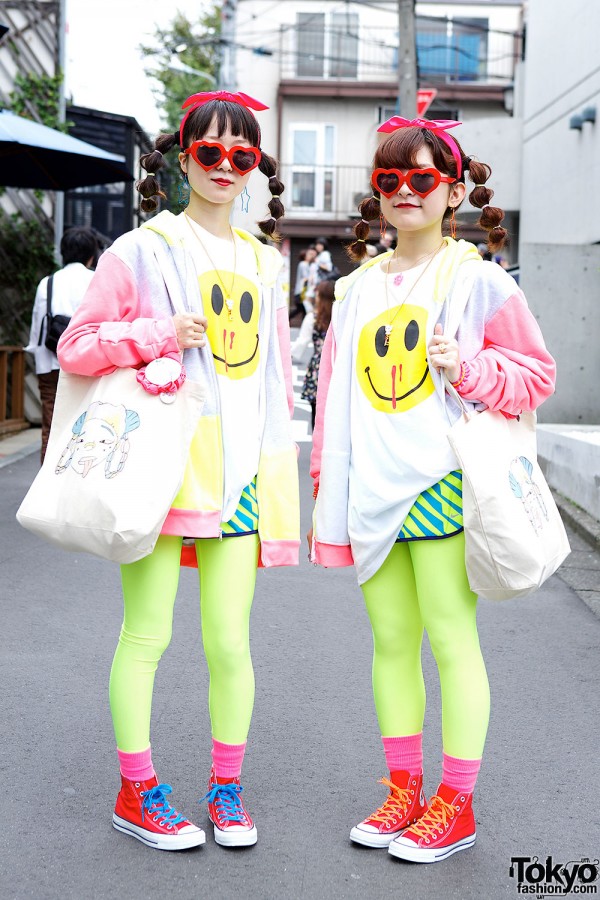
column 42, row 92
column 195, row 45
column 26, row 255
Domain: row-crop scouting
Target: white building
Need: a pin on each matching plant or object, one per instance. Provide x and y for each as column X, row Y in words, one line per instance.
column 560, row 198
column 329, row 71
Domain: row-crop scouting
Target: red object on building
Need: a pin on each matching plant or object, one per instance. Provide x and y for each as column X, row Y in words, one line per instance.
column 425, row 97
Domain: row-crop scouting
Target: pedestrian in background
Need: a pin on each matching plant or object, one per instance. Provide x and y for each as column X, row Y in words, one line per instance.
column 386, row 242
column 389, row 491
column 234, row 305
column 305, row 258
column 323, row 305
column 79, row 250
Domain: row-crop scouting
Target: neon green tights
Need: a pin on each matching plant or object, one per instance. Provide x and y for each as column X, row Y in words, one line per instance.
column 423, row 584
column 227, row 571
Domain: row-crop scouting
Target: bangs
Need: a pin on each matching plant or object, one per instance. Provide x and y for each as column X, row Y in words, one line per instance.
column 240, row 121
column 401, row 149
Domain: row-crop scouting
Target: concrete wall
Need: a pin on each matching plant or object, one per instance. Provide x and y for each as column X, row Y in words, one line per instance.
column 570, row 460
column 562, row 286
column 560, row 197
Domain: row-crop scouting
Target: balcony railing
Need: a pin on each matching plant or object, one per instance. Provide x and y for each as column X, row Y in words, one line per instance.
column 331, row 192
column 371, row 54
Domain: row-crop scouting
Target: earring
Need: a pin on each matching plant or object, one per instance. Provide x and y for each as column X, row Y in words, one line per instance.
column 245, row 199
column 382, row 225
column 183, row 190
column 453, row 223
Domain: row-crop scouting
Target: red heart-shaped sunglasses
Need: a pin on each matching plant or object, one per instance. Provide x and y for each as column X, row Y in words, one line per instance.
column 420, row 181
column 209, row 155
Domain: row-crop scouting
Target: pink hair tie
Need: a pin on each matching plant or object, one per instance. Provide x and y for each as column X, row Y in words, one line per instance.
column 465, row 372
column 437, row 126
column 163, row 377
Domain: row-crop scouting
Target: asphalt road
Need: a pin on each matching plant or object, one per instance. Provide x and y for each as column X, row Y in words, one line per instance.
column 314, row 751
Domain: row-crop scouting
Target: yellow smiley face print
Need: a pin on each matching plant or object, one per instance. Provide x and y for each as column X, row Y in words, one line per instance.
column 232, row 329
column 394, row 376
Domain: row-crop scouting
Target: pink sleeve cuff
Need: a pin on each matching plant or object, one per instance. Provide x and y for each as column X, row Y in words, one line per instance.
column 333, row 555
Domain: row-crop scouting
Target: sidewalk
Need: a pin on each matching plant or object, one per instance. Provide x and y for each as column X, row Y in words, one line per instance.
column 17, row 446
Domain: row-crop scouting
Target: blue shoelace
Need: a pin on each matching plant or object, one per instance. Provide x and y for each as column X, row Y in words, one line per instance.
column 226, row 799
column 156, row 802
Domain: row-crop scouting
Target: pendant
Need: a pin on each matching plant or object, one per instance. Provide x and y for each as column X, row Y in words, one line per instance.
column 229, row 305
column 388, row 331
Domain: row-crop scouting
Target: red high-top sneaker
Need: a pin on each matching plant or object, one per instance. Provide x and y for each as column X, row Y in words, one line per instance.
column 405, row 804
column 143, row 812
column 233, row 826
column 447, row 827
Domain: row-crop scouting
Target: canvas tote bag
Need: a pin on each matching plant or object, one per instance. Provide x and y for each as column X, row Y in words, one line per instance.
column 514, row 535
column 114, row 463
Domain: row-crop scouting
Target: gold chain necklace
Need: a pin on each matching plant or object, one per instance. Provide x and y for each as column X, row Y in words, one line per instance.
column 226, row 293
column 390, row 325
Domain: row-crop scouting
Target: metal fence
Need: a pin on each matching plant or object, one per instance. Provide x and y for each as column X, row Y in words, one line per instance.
column 446, row 53
column 331, row 192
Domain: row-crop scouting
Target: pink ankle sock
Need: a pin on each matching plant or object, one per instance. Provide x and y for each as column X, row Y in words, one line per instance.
column 404, row 753
column 227, row 759
column 136, row 766
column 460, row 773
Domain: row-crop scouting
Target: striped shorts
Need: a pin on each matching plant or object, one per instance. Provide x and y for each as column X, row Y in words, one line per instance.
column 436, row 513
column 245, row 518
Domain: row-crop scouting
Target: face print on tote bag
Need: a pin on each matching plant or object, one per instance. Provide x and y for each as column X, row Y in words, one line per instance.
column 100, row 436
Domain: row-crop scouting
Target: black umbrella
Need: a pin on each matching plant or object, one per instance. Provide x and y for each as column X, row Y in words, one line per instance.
column 35, row 156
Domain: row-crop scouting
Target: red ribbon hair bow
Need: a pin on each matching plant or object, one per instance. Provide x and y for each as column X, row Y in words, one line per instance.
column 197, row 100
column 438, row 126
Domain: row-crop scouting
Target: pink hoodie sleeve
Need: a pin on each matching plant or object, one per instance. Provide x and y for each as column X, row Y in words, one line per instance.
column 325, row 370
column 514, row 372
column 107, row 332
column 283, row 333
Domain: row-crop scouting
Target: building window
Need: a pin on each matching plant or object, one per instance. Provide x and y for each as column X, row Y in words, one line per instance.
column 313, row 170
column 327, row 48
column 311, row 44
column 455, row 50
column 344, row 45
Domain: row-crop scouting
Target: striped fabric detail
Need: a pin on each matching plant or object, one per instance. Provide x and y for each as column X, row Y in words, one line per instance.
column 245, row 518
column 437, row 512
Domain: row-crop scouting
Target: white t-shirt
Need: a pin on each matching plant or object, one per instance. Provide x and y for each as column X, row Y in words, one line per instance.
column 399, row 422
column 68, row 287
column 225, row 275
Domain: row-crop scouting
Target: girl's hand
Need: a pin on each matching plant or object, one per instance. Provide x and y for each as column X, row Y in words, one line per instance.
column 190, row 329
column 444, row 354
column 309, row 538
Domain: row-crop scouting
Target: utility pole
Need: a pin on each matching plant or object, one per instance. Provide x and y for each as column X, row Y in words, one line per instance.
column 407, row 60
column 227, row 74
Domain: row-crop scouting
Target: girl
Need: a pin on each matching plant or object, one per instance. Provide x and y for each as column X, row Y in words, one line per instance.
column 389, row 491
column 323, row 304
column 238, row 505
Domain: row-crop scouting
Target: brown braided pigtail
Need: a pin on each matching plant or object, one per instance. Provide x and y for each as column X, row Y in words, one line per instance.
column 152, row 162
column 480, row 196
column 369, row 209
column 268, row 167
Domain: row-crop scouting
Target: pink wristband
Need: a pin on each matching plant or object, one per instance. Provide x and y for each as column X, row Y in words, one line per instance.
column 465, row 372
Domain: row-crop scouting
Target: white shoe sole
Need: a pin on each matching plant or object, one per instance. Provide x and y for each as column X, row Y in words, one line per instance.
column 181, row 841
column 413, row 853
column 371, row 838
column 230, row 838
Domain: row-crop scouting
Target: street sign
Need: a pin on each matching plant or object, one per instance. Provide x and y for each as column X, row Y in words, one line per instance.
column 425, row 97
